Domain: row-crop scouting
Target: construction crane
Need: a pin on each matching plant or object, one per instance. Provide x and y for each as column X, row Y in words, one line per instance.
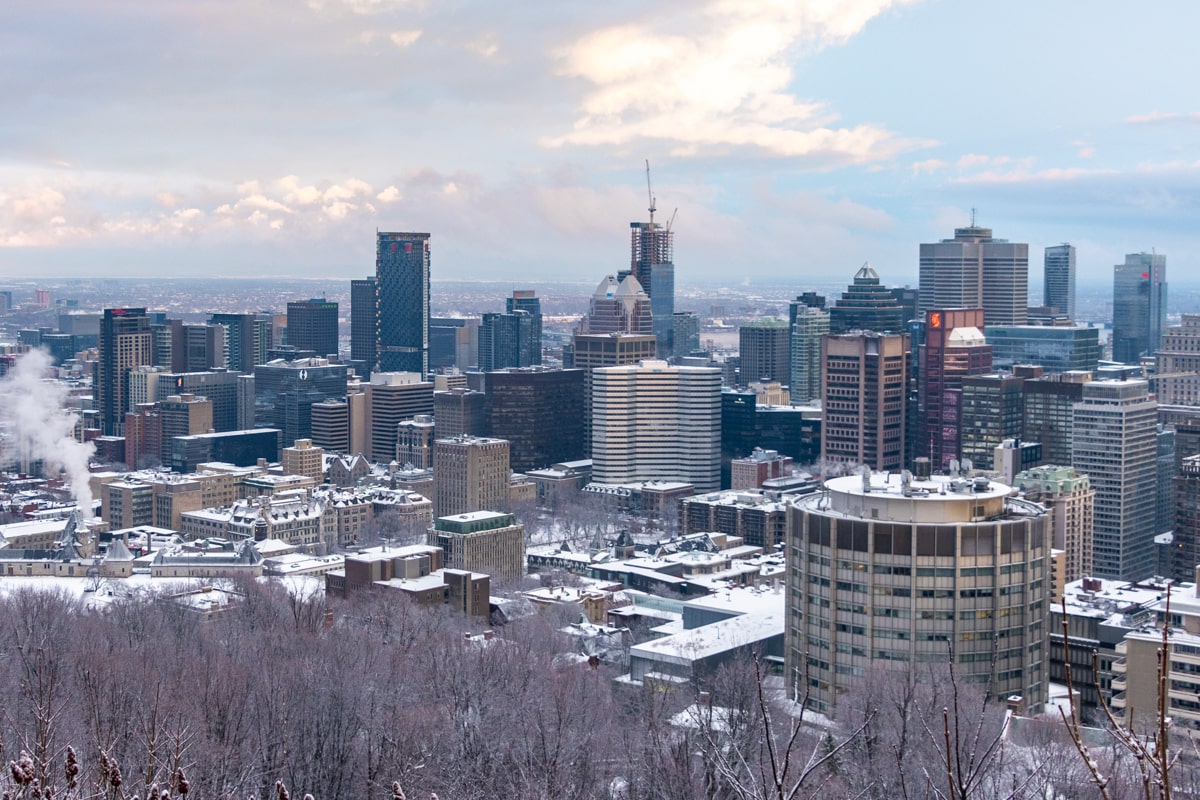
column 671, row 221
column 650, row 193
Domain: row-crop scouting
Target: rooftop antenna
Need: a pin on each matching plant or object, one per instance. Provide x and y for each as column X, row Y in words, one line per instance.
column 972, row 210
column 650, row 193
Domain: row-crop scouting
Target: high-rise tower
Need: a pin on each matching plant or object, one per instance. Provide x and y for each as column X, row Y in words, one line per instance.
column 975, row 270
column 364, row 315
column 1139, row 306
column 867, row 305
column 1059, row 279
column 402, row 285
column 954, row 349
column 652, row 262
column 313, row 325
column 125, row 344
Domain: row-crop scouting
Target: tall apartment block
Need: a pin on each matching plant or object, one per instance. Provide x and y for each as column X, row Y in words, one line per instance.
column 313, row 325
column 509, row 340
column 364, row 316
column 303, row 458
column 954, row 349
column 402, row 287
column 1139, row 306
column 248, row 337
column 391, row 398
column 809, row 326
column 896, row 572
column 975, row 270
column 1115, row 446
column 864, row 379
column 764, row 348
column 125, row 345
column 1058, row 287
column 1072, row 503
column 654, row 421
column 687, row 333
column 867, row 305
column 470, row 474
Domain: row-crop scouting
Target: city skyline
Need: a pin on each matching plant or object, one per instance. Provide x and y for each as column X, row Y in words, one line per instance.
column 792, row 140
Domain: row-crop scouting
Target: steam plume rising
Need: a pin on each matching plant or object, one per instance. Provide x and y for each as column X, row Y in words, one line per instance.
column 33, row 414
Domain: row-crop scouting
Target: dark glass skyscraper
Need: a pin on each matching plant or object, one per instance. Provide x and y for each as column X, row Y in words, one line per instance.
column 1139, row 306
column 313, row 325
column 363, row 315
column 867, row 305
column 402, row 284
column 652, row 262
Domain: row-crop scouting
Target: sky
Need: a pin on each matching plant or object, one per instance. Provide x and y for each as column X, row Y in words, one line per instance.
column 791, row 140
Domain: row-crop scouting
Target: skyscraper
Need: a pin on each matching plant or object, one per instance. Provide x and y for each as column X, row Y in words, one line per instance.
column 510, row 340
column 974, row 270
column 393, row 397
column 527, row 300
column 808, row 327
column 539, row 412
column 654, row 421
column 470, row 474
column 864, row 381
column 620, row 308
column 652, row 262
column 1115, row 446
column 867, row 305
column 363, row 316
column 125, row 344
column 954, row 348
column 248, row 337
column 313, row 325
column 1139, row 306
column 402, row 285
column 589, row 352
column 764, row 349
column 1059, row 279
column 285, row 391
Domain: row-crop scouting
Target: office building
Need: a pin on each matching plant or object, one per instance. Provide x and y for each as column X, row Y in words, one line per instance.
column 339, row 425
column 954, row 349
column 470, row 474
column 453, row 342
column 285, row 391
column 313, row 325
column 182, row 415
column 898, row 571
column 620, row 308
column 749, row 422
column 1176, row 377
column 864, row 383
column 809, row 326
column 509, row 340
column 687, row 333
column 1058, row 349
column 391, row 398
column 1165, row 469
column 304, row 458
column 526, row 300
column 1185, row 544
column 654, row 421
column 764, row 347
column 1070, row 497
column 761, row 465
column 487, row 542
column 590, row 352
column 414, row 442
column 248, row 337
column 867, row 305
column 461, row 411
column 1058, row 287
column 364, row 336
column 1139, row 306
column 652, row 262
column 539, row 412
column 1115, row 446
column 125, row 345
column 1050, row 411
column 975, row 270
column 240, row 448
column 221, row 387
column 402, row 288
column 992, row 411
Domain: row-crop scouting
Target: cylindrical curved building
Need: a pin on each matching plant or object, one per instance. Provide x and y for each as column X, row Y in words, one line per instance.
column 890, row 572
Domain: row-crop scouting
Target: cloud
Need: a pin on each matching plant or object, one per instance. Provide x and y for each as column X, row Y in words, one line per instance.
column 405, row 38
column 720, row 79
column 1167, row 118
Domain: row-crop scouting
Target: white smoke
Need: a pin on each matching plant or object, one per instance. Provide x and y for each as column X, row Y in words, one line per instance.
column 39, row 427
